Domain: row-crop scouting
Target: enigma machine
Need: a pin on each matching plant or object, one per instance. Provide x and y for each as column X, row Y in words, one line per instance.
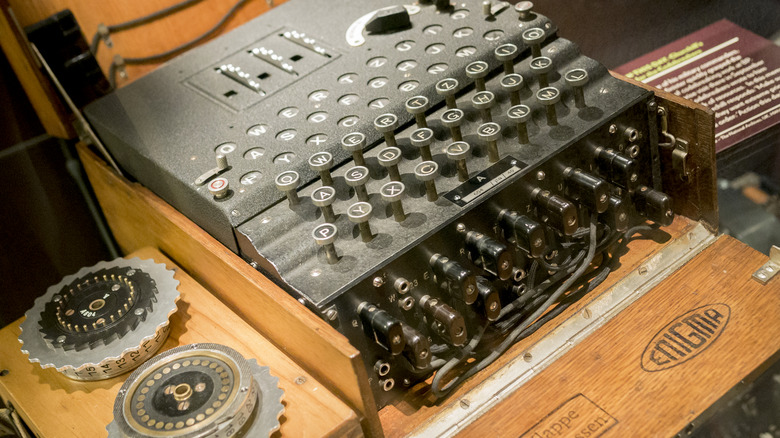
column 429, row 178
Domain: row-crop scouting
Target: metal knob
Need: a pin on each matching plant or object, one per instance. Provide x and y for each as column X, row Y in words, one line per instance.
column 458, row 152
column 323, row 198
column 219, row 187
column 392, row 193
column 453, row 118
column 477, row 70
column 389, row 158
column 322, row 162
column 483, row 101
column 577, row 78
column 325, row 235
column 427, row 171
column 387, row 124
column 549, row 97
column 288, row 183
column 360, row 213
column 357, row 177
column 417, row 106
column 422, row 139
column 513, row 83
column 354, row 142
column 507, row 53
column 540, row 66
column 490, row 132
column 447, row 88
column 523, row 10
column 520, row 114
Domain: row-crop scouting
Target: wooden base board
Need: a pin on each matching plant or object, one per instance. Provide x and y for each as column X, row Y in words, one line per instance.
column 83, row 409
column 660, row 363
column 138, row 219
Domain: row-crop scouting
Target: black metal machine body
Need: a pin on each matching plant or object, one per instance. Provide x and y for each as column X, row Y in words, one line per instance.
column 398, row 169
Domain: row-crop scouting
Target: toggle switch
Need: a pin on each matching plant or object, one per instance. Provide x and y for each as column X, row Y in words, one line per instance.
column 222, row 165
column 323, row 198
column 322, row 162
column 591, row 191
column 447, row 321
column 458, row 152
column 386, row 330
column 492, row 256
column 427, row 171
column 462, row 282
column 389, row 158
column 388, row 20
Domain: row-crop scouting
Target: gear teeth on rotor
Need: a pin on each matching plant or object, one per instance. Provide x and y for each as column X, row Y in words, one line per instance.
column 103, row 353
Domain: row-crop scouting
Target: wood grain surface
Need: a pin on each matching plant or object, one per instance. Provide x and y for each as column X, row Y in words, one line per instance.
column 629, row 395
column 43, row 97
column 83, row 409
column 696, row 196
column 149, row 39
column 138, row 219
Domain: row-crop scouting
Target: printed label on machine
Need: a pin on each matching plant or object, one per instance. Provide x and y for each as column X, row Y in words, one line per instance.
column 485, row 180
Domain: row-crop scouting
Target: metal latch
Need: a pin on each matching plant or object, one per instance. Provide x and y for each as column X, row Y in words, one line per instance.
column 678, row 146
column 770, row 268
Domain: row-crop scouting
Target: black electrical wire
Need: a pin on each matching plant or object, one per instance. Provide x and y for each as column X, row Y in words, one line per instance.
column 440, row 391
column 182, row 47
column 114, row 28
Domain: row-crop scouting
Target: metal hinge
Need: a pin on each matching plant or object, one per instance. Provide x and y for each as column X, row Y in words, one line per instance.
column 770, row 268
column 678, row 146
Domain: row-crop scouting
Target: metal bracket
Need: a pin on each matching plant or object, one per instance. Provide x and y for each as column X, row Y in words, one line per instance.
column 770, row 268
column 678, row 146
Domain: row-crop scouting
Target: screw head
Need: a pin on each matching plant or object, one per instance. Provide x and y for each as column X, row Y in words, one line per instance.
column 378, row 282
